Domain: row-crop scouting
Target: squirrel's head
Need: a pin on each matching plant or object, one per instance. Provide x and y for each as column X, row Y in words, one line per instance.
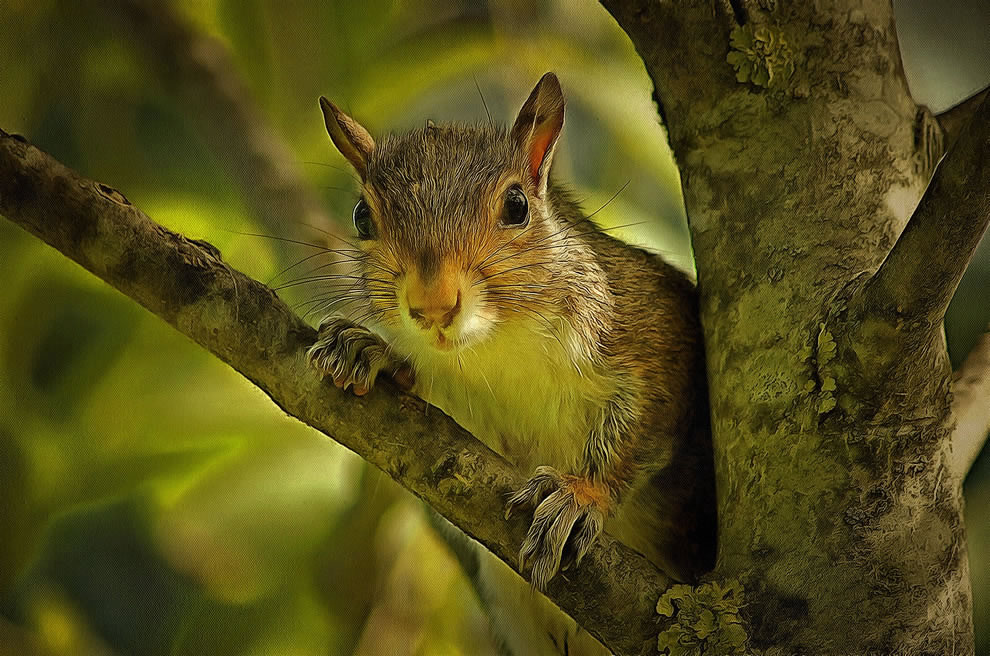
column 454, row 222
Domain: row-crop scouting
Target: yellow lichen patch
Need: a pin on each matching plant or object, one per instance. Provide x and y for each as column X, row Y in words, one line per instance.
column 823, row 387
column 706, row 620
column 761, row 56
column 826, row 345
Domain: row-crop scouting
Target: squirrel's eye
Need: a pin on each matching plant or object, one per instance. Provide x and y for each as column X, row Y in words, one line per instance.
column 515, row 208
column 362, row 219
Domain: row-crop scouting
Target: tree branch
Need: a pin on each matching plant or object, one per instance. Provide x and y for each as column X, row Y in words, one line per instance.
column 923, row 269
column 971, row 406
column 247, row 326
column 955, row 119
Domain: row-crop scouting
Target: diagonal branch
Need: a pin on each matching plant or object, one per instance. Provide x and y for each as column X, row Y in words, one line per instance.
column 954, row 120
column 246, row 325
column 971, row 406
column 197, row 68
column 921, row 272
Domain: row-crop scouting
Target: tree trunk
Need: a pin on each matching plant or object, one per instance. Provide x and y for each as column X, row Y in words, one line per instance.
column 802, row 156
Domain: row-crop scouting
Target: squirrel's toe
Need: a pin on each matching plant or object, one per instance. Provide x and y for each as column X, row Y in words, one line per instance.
column 565, row 522
column 350, row 354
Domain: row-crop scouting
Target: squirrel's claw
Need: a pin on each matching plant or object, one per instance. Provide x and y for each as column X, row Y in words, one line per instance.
column 352, row 356
column 544, row 481
column 569, row 517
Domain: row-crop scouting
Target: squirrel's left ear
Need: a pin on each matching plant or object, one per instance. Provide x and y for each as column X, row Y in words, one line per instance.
column 537, row 127
column 349, row 136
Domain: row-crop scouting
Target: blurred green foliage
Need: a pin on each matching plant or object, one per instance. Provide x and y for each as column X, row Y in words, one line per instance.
column 151, row 500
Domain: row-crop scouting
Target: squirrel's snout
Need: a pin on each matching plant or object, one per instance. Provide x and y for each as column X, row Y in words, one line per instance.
column 437, row 303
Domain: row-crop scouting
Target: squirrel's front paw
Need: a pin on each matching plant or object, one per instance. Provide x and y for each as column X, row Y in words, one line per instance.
column 353, row 355
column 570, row 514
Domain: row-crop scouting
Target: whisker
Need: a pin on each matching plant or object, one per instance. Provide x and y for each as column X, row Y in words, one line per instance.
column 312, row 275
column 299, row 242
column 329, row 166
column 336, row 168
column 285, row 239
column 331, row 234
column 541, row 240
column 329, row 307
column 481, row 370
column 532, row 285
column 614, row 196
column 312, row 279
column 536, row 246
column 313, row 271
column 525, row 309
column 289, row 268
column 497, row 250
column 540, row 245
column 510, row 270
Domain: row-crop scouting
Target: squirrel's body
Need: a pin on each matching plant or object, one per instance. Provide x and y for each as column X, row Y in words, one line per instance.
column 517, row 393
column 565, row 350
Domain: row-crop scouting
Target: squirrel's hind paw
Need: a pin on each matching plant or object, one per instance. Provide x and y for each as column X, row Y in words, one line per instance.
column 353, row 356
column 570, row 514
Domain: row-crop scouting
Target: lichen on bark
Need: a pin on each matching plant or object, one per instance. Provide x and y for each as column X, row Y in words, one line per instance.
column 705, row 620
column 761, row 56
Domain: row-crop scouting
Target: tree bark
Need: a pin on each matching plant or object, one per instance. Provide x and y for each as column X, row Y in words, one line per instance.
column 245, row 324
column 802, row 156
column 971, row 406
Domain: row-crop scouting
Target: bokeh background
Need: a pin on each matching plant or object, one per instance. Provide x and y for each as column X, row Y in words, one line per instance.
column 151, row 500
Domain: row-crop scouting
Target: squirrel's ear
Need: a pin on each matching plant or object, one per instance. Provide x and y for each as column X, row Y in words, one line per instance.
column 350, row 138
column 537, row 127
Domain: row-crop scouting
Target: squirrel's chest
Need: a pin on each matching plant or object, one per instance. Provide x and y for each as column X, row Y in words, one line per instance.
column 519, row 393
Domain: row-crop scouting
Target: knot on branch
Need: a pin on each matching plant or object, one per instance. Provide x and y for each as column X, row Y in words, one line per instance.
column 112, row 194
column 198, row 253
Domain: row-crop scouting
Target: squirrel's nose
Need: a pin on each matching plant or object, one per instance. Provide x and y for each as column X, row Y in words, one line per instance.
column 436, row 303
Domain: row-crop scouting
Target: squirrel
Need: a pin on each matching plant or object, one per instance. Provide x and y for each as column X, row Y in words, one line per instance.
column 575, row 356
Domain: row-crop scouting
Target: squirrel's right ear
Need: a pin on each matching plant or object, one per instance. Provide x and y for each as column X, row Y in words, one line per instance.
column 350, row 138
column 537, row 127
